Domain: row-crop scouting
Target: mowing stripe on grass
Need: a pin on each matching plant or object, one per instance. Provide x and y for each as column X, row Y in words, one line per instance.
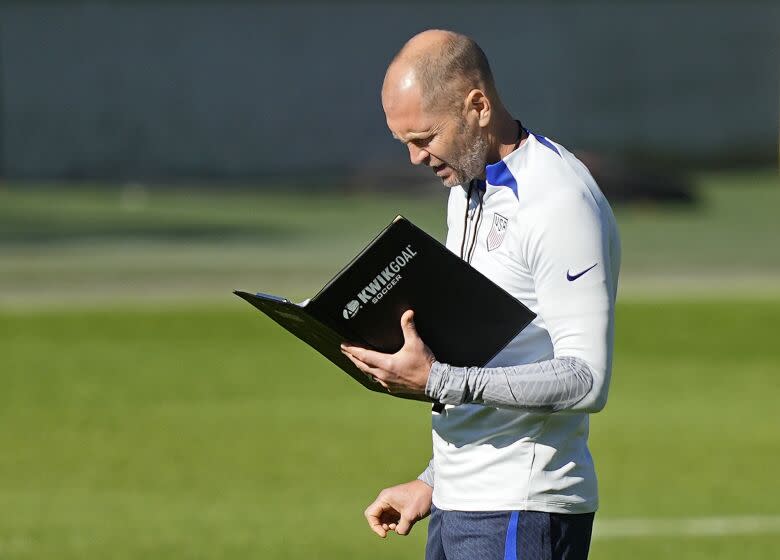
column 687, row 527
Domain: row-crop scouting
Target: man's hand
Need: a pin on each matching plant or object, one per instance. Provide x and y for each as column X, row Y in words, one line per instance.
column 405, row 371
column 398, row 508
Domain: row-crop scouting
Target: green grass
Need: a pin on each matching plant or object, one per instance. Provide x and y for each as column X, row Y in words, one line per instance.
column 65, row 246
column 147, row 413
column 210, row 433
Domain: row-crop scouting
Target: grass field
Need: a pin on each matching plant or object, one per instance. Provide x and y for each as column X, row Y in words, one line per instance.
column 208, row 433
column 143, row 414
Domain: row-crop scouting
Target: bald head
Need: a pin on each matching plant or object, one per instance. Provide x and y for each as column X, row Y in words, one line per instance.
column 442, row 67
column 440, row 101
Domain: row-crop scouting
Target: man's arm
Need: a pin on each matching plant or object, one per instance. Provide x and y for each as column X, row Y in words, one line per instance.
column 549, row 386
column 571, row 254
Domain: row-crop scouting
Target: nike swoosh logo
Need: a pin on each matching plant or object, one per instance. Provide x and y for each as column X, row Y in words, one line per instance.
column 572, row 278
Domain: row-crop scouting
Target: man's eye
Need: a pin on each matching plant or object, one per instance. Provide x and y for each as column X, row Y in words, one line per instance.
column 420, row 142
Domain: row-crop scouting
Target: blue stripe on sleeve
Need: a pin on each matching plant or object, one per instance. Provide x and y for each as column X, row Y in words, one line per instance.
column 542, row 140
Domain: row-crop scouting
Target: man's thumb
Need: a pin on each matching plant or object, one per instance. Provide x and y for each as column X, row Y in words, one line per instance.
column 404, row 526
column 407, row 325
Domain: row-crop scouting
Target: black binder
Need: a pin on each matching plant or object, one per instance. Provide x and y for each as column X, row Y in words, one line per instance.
column 461, row 315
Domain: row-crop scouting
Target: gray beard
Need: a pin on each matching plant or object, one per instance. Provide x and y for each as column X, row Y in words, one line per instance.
column 470, row 165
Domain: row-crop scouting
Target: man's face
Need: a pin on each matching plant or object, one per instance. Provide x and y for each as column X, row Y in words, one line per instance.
column 453, row 148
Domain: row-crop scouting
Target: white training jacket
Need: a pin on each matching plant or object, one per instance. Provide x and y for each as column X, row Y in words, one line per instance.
column 513, row 435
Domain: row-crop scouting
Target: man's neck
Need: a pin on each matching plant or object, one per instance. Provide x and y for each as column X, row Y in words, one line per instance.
column 510, row 136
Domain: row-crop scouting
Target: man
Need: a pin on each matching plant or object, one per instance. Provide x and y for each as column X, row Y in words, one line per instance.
column 511, row 474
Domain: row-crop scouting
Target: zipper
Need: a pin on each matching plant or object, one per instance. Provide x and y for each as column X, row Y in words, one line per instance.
column 471, row 223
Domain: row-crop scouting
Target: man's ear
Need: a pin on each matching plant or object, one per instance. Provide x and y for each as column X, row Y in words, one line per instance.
column 478, row 103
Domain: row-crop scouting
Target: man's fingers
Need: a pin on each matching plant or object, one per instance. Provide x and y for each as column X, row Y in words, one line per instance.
column 375, row 373
column 370, row 357
column 408, row 327
column 374, row 511
column 382, row 517
column 379, row 530
column 372, row 515
column 404, row 526
column 362, row 366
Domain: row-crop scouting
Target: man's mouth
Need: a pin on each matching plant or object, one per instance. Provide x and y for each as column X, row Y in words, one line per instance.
column 439, row 168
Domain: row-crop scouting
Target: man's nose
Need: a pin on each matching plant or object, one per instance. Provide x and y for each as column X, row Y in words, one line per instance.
column 417, row 155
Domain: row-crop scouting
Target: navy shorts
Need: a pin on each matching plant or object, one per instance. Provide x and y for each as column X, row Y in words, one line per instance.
column 508, row 535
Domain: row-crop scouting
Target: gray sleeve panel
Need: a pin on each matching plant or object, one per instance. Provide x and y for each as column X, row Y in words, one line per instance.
column 547, row 386
column 427, row 475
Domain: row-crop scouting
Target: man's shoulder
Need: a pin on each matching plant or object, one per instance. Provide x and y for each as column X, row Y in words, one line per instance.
column 546, row 177
column 542, row 187
column 550, row 201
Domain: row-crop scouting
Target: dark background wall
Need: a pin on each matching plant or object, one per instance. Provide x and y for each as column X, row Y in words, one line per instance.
column 234, row 90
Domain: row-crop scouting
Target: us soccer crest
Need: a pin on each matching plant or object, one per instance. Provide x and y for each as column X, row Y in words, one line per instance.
column 497, row 232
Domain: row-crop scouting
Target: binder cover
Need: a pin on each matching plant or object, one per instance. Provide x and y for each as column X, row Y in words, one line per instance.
column 460, row 314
